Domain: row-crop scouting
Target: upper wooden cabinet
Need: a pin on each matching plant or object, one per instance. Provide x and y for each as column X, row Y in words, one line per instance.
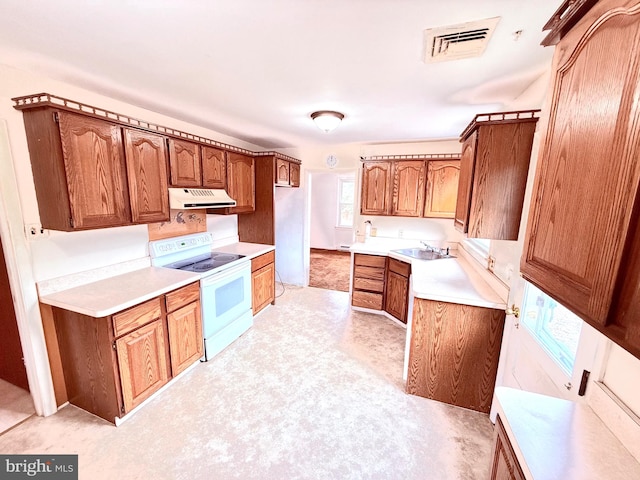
column 583, row 236
column 376, row 188
column 442, row 188
column 241, row 180
column 423, row 187
column 493, row 174
column 407, row 199
column 146, row 157
column 91, row 173
column 214, row 167
column 287, row 173
column 184, row 163
column 294, row 174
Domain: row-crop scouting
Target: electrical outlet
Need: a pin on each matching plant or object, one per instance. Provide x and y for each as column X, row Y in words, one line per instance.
column 35, row 230
column 400, row 233
column 374, row 231
column 491, row 263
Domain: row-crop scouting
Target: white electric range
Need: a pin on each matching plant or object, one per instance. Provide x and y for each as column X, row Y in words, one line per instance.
column 225, row 285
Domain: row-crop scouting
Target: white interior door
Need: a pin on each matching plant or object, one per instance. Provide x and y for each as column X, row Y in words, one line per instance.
column 548, row 348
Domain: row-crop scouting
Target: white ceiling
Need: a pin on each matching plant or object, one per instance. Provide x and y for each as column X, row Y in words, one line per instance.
column 256, row 69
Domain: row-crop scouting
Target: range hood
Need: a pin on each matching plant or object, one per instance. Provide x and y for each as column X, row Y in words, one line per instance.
column 189, row 198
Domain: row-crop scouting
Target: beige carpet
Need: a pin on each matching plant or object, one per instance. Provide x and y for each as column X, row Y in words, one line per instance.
column 312, row 391
column 329, row 269
column 16, row 405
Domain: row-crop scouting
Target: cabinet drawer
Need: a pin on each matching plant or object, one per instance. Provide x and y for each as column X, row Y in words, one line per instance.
column 367, row 300
column 372, row 273
column 401, row 268
column 370, row 260
column 368, row 284
column 182, row 296
column 136, row 317
column 265, row 259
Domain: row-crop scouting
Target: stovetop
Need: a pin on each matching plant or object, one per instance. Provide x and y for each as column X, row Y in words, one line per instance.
column 205, row 262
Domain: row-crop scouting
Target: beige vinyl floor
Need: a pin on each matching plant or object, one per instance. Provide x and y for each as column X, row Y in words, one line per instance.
column 16, row 405
column 312, row 391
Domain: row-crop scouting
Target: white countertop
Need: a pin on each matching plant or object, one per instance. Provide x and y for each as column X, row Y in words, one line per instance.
column 116, row 293
column 558, row 439
column 452, row 280
column 110, row 295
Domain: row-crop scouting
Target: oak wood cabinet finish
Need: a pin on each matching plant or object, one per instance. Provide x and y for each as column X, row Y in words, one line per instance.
column 454, row 351
column 78, row 169
column 184, row 163
column 241, row 182
column 407, row 199
column 504, row 465
column 495, row 162
column 294, row 174
column 442, row 188
column 263, row 281
column 282, row 172
column 112, row 364
column 581, row 245
column 214, row 167
column 397, row 289
column 368, row 281
column 146, row 157
column 142, row 363
column 376, row 188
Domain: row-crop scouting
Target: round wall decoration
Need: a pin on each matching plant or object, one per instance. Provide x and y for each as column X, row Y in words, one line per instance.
column 331, row 161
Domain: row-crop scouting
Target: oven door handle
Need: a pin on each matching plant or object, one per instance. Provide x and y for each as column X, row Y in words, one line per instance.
column 217, row 277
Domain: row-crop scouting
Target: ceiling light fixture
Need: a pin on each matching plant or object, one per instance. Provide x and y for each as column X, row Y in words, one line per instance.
column 327, row 120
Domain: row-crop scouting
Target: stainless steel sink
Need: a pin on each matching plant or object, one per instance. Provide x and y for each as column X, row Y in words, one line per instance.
column 423, row 253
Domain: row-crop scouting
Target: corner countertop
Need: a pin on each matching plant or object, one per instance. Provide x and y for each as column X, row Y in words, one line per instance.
column 452, row 280
column 116, row 293
column 554, row 438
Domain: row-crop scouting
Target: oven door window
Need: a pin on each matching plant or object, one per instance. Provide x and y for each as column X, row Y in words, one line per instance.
column 229, row 296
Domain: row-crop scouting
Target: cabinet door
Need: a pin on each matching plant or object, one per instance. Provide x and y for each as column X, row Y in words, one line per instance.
column 442, row 188
column 95, row 171
column 146, row 156
column 143, row 363
column 396, row 296
column 185, row 337
column 263, row 287
column 282, row 172
column 465, row 182
column 294, row 174
column 454, row 351
column 505, row 465
column 241, row 182
column 184, row 163
column 587, row 177
column 214, row 168
column 376, row 188
column 408, row 188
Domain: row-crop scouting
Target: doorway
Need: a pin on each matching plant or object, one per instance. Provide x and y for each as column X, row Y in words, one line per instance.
column 15, row 400
column 331, row 202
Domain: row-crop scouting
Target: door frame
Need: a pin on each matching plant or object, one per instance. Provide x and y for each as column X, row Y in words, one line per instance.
column 22, row 283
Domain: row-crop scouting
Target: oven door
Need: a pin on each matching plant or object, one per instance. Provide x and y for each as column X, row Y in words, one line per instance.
column 225, row 297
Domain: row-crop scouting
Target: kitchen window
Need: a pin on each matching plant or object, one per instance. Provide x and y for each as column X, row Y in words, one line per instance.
column 554, row 327
column 346, row 189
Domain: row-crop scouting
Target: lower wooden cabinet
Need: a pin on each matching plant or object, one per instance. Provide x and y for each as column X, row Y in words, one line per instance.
column 368, row 281
column 504, row 465
column 453, row 354
column 112, row 364
column 397, row 289
column 263, row 281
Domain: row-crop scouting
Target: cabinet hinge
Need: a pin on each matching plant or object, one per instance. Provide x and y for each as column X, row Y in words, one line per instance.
column 114, row 346
column 122, row 408
column 56, row 117
column 71, row 222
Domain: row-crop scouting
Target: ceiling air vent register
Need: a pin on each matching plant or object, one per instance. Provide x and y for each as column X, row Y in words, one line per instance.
column 454, row 42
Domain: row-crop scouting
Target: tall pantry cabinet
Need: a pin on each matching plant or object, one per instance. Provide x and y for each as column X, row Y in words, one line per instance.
column 583, row 234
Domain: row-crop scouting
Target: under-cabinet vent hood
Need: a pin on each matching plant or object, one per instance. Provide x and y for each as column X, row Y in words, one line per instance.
column 189, row 198
column 455, row 42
